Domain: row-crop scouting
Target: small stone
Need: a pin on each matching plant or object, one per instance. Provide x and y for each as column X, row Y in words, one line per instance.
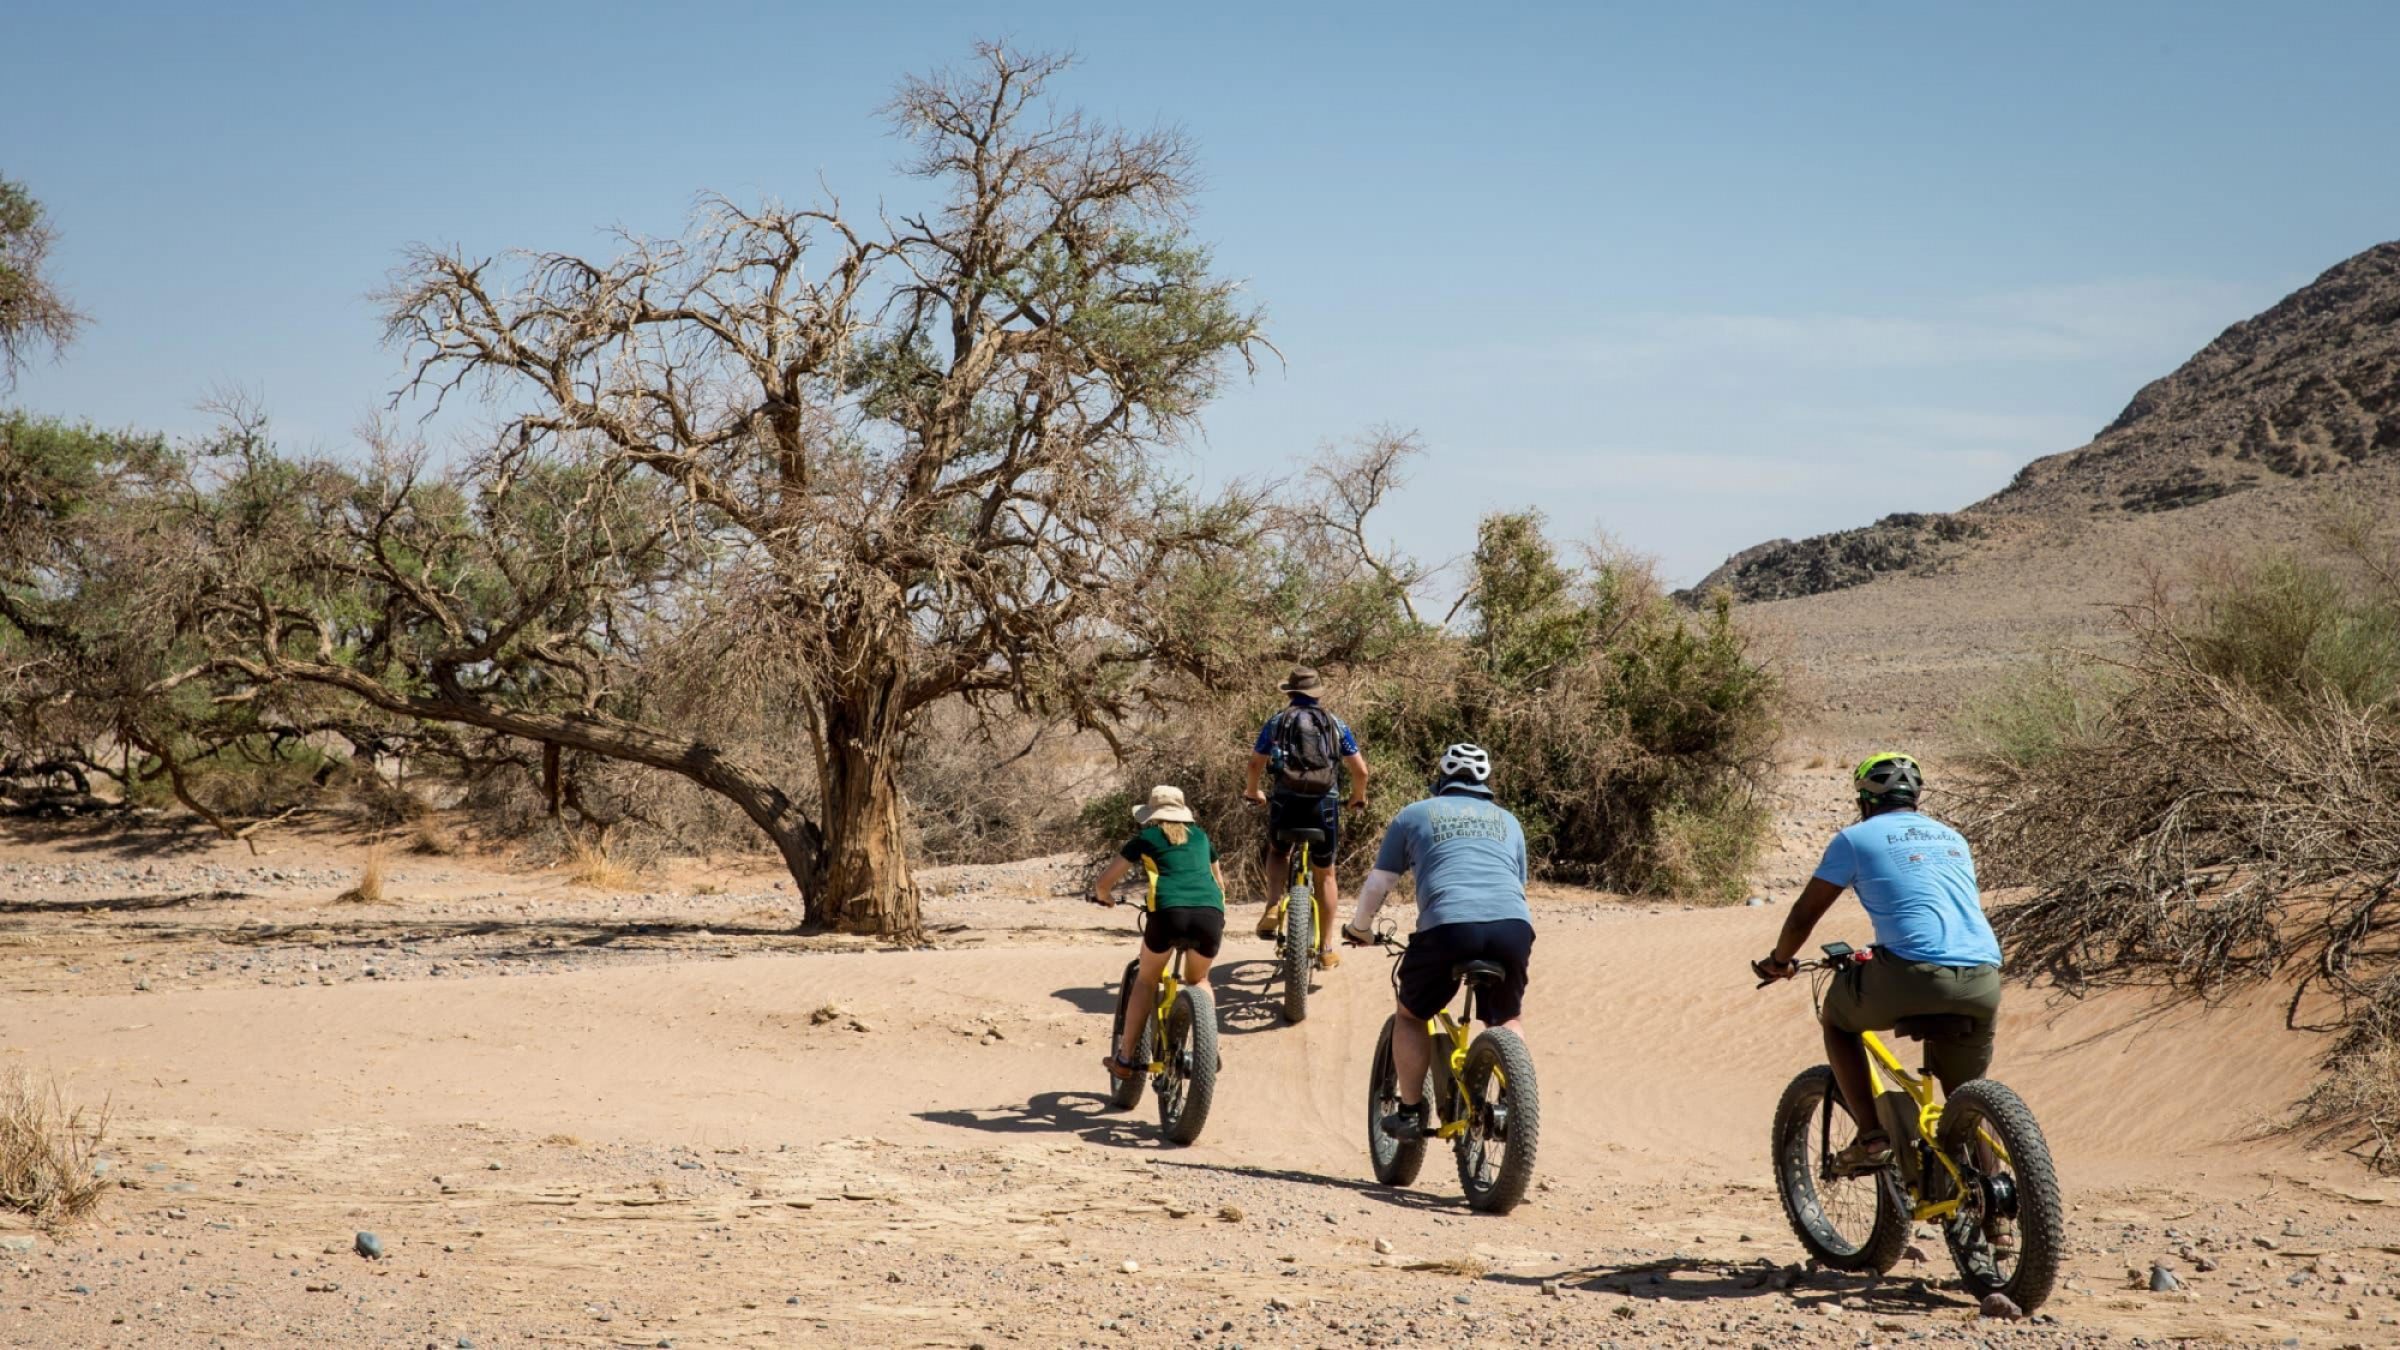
column 1230, row 1213
column 2000, row 1307
column 368, row 1245
column 1383, row 1246
column 1550, row 1288
column 1131, row 1266
column 1755, row 902
column 2162, row 1280
column 2266, row 1243
column 16, row 1244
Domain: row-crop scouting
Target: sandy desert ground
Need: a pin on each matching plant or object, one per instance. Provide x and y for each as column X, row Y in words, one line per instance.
column 657, row 1118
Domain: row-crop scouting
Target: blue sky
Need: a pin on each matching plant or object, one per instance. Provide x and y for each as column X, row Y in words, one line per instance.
column 1691, row 276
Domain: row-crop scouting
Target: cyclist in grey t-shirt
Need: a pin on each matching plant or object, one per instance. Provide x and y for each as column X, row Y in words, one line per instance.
column 1469, row 856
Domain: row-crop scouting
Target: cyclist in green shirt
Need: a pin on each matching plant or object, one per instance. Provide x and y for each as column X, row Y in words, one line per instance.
column 1186, row 906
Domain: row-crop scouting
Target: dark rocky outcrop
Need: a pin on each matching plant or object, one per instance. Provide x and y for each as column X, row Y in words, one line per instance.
column 2309, row 386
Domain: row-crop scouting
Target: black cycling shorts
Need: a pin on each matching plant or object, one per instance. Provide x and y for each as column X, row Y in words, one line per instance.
column 1289, row 811
column 1426, row 986
column 1198, row 929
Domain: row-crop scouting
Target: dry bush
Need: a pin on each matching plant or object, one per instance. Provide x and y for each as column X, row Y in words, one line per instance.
column 48, row 1152
column 2362, row 1091
column 429, row 839
column 996, row 789
column 595, row 862
column 369, row 889
column 2220, row 806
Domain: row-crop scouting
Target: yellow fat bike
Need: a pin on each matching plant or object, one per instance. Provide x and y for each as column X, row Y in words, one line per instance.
column 1481, row 1089
column 1976, row 1165
column 1296, row 946
column 1177, row 1049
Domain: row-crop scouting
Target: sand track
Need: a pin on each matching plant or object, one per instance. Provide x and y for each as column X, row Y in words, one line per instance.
column 576, row 1122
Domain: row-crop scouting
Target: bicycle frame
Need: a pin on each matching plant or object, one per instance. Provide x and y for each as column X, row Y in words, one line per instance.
column 1169, row 987
column 1457, row 1033
column 1883, row 1069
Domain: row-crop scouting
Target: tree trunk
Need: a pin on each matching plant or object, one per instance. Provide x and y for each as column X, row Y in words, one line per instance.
column 865, row 885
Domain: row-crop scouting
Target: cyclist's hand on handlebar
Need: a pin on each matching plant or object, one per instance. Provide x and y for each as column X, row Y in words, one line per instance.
column 1768, row 970
column 1356, row 938
column 1101, row 898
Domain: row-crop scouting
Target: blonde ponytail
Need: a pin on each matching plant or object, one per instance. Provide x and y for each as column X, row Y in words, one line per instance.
column 1176, row 832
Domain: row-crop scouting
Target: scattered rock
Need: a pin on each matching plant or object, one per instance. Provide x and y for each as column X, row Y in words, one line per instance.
column 1131, row 1266
column 1230, row 1213
column 368, row 1245
column 2162, row 1280
column 831, row 1012
column 2000, row 1307
column 1383, row 1246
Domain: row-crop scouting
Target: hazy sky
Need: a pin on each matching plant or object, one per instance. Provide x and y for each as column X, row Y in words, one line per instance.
column 1695, row 276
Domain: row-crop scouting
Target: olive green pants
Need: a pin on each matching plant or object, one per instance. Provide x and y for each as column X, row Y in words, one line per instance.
column 1877, row 993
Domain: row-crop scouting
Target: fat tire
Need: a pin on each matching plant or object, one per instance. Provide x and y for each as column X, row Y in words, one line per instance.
column 1126, row 1093
column 1299, row 935
column 2041, row 1218
column 1396, row 1161
column 1796, row 1116
column 1192, row 1030
column 1503, row 1051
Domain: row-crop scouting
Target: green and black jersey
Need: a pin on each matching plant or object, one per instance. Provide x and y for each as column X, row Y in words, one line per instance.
column 1181, row 875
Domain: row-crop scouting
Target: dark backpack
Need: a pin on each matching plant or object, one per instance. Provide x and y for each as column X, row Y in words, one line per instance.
column 1308, row 743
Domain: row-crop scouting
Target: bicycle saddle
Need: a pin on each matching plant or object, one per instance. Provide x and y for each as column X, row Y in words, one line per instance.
column 1935, row 1026
column 1300, row 836
column 1479, row 973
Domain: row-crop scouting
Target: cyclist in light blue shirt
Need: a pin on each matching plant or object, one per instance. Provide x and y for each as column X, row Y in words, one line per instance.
column 1934, row 949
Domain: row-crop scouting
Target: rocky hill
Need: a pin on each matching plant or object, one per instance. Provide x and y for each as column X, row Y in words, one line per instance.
column 2308, row 387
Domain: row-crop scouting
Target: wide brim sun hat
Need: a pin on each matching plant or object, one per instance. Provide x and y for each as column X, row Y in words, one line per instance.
column 1302, row 680
column 1165, row 807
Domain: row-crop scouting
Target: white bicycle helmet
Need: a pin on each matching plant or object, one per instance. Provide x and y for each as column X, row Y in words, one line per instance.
column 1464, row 763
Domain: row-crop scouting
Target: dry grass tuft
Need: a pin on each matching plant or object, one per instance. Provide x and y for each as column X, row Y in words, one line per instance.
column 430, row 840
column 1464, row 1267
column 591, row 862
column 47, row 1152
column 369, row 890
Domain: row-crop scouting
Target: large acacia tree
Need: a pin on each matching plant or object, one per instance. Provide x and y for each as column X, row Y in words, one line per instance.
column 884, row 463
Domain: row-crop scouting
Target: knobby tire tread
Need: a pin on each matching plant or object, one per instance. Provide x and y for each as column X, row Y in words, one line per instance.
column 1796, row 1117
column 2041, row 1218
column 1502, row 1049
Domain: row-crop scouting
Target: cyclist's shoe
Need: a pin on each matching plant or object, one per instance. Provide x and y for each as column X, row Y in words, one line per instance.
column 2000, row 1234
column 1408, row 1122
column 1120, row 1069
column 1270, row 924
column 1328, row 958
column 1865, row 1154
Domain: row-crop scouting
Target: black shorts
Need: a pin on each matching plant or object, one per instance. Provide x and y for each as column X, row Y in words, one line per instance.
column 1286, row 811
column 1197, row 929
column 1426, row 986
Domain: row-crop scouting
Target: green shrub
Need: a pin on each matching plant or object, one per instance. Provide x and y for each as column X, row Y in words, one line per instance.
column 1632, row 739
column 2035, row 716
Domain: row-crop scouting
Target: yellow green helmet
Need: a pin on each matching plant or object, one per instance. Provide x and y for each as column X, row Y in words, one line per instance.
column 1888, row 778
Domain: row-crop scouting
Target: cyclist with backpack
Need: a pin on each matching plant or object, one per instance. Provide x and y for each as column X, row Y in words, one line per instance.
column 1304, row 748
